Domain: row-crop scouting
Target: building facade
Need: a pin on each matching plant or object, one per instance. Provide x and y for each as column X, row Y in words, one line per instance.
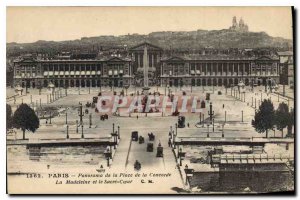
column 114, row 71
column 286, row 63
column 218, row 70
column 120, row 71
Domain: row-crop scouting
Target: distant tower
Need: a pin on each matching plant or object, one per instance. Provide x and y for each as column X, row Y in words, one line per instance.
column 234, row 23
column 241, row 22
column 241, row 26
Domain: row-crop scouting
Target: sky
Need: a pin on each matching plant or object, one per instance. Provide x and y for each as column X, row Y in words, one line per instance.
column 29, row 24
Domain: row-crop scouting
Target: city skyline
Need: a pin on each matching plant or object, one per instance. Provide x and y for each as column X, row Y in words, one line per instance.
column 71, row 23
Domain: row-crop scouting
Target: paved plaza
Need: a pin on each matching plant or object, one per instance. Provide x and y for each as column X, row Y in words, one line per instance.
column 239, row 113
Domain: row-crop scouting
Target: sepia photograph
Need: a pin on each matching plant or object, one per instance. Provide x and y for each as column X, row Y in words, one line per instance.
column 150, row 100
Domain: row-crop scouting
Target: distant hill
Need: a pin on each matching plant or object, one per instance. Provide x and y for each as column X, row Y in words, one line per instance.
column 189, row 40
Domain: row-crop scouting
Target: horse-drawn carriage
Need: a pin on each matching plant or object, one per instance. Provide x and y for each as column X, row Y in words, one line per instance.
column 151, row 136
column 134, row 136
column 137, row 165
column 160, row 151
column 150, row 147
column 141, row 140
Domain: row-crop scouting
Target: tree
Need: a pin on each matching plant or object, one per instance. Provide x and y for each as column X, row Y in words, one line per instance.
column 291, row 122
column 282, row 117
column 25, row 119
column 9, row 121
column 264, row 118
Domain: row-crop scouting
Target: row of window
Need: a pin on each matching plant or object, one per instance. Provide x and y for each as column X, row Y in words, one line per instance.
column 197, row 72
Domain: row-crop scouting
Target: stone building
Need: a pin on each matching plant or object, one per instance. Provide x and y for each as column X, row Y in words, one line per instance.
column 218, row 70
column 119, row 71
column 286, row 68
column 33, row 72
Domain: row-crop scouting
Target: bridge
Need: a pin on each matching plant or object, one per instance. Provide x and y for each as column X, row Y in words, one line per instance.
column 250, row 158
column 72, row 142
column 210, row 141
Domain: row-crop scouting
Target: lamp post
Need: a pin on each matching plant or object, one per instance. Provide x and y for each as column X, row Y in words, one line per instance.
column 223, row 130
column 210, row 112
column 180, row 160
column 82, row 136
column 200, row 117
column 76, row 126
column 67, row 131
column 66, row 117
column 242, row 116
column 90, row 117
column 113, row 125
column 50, row 117
column 80, row 113
column 107, row 154
column 208, row 130
column 119, row 137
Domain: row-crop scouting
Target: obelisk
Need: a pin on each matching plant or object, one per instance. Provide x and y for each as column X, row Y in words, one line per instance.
column 146, row 68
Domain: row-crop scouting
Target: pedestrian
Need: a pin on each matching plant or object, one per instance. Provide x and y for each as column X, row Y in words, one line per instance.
column 137, row 117
column 188, row 124
column 223, row 106
column 169, row 142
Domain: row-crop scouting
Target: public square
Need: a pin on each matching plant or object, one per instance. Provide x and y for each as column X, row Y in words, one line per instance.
column 239, row 113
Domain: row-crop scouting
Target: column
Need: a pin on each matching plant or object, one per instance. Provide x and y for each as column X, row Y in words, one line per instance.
column 222, row 70
column 238, row 71
column 206, row 69
column 138, row 60
column 152, row 55
column 260, row 69
column 31, row 71
column 227, row 68
column 244, row 68
column 173, row 70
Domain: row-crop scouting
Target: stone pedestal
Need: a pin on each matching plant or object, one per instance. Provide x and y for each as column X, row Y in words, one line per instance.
column 146, row 90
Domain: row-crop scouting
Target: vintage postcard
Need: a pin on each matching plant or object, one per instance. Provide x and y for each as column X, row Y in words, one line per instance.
column 150, row 100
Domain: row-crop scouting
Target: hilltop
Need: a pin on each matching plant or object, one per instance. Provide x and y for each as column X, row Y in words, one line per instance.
column 188, row 40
